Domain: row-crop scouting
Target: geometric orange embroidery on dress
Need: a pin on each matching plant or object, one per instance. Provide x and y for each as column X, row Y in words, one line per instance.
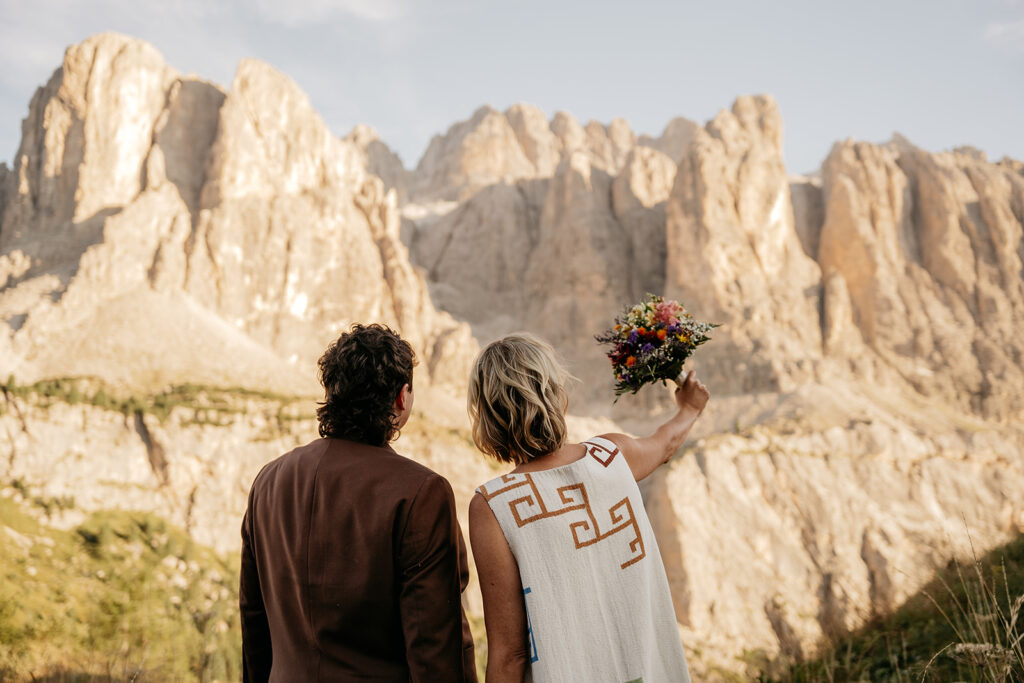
column 597, row 450
column 532, row 507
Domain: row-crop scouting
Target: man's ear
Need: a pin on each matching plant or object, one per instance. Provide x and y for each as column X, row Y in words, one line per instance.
column 400, row 402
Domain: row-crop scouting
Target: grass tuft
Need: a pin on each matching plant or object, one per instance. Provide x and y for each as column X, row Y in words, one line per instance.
column 965, row 625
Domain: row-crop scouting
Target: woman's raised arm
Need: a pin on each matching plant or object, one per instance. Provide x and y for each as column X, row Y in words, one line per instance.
column 501, row 587
column 646, row 454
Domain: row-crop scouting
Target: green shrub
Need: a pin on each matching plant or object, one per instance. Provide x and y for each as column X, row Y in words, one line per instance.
column 209, row 405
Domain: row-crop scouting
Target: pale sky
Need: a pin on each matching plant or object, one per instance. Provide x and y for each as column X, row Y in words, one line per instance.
column 941, row 72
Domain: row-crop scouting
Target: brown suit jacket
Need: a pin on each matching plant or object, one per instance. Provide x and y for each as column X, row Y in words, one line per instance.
column 353, row 566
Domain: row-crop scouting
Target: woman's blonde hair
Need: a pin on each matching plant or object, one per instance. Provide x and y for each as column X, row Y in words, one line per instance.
column 517, row 399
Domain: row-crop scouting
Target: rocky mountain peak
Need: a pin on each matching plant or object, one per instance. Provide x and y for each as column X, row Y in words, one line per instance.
column 675, row 138
column 58, row 158
column 521, row 143
column 472, row 154
column 733, row 250
column 380, row 160
column 146, row 208
column 276, row 141
column 535, row 135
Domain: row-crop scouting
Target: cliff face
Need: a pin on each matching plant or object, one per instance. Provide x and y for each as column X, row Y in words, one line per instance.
column 895, row 266
column 922, row 257
column 189, row 459
column 786, row 534
column 558, row 225
column 911, row 279
column 157, row 230
column 734, row 255
column 210, row 237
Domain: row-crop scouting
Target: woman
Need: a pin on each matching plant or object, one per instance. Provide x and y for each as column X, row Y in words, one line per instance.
column 573, row 584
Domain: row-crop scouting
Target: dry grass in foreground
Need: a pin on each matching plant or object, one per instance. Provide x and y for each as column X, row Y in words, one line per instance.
column 966, row 625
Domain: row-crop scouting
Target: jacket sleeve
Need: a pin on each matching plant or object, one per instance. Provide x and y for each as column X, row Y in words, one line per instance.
column 256, row 652
column 433, row 573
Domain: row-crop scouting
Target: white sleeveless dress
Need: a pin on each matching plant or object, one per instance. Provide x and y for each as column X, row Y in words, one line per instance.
column 597, row 599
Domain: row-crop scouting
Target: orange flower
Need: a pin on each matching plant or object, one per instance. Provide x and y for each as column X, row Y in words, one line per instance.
column 631, row 361
column 662, row 334
column 641, row 331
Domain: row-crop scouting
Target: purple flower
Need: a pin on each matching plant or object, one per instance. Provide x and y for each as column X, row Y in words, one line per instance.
column 647, row 348
column 633, row 336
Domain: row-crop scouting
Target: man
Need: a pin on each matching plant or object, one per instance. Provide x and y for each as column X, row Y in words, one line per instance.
column 353, row 563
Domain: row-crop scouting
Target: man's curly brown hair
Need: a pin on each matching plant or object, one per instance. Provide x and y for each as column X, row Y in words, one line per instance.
column 362, row 374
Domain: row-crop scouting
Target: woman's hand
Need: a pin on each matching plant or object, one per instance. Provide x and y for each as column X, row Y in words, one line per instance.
column 691, row 394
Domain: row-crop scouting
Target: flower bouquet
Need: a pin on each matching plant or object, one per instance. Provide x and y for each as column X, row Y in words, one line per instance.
column 651, row 341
